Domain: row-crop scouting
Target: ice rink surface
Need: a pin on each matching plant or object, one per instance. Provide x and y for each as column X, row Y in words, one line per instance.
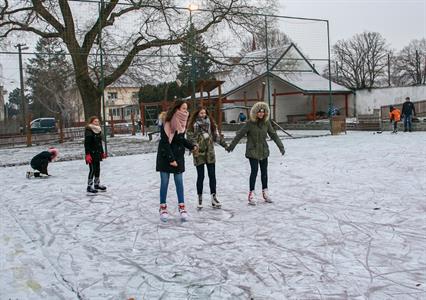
column 348, row 222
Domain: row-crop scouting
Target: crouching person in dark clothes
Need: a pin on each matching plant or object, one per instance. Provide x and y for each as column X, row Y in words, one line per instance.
column 42, row 160
column 94, row 154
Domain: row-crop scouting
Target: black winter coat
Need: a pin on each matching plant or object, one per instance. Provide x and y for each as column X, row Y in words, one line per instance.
column 175, row 151
column 93, row 144
column 408, row 108
column 40, row 161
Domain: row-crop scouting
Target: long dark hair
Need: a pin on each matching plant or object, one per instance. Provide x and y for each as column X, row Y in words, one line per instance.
column 176, row 105
column 194, row 116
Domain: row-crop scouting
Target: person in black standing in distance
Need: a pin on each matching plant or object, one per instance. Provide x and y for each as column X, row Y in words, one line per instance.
column 408, row 111
column 42, row 160
column 94, row 154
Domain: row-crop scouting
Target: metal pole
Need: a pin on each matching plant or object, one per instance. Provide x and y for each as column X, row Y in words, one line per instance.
column 192, row 37
column 267, row 63
column 389, row 70
column 22, row 94
column 102, row 83
column 330, row 99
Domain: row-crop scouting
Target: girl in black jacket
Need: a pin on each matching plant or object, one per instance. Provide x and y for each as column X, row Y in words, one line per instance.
column 170, row 156
column 94, row 154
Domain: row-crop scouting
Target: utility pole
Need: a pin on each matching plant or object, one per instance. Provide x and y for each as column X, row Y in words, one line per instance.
column 267, row 63
column 22, row 94
column 102, row 83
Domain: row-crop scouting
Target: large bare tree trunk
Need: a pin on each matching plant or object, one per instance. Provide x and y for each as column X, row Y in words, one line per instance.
column 91, row 101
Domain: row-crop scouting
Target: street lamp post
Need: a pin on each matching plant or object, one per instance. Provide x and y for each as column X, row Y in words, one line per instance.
column 22, row 94
column 192, row 7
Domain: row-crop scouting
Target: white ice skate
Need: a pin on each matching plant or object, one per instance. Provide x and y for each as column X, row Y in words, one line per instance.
column 251, row 198
column 215, row 202
column 200, row 202
column 266, row 196
column 183, row 213
column 164, row 215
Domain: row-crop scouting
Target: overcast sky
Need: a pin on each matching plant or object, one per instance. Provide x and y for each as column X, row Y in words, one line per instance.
column 399, row 21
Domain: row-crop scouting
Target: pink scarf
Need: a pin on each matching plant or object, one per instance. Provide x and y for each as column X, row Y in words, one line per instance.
column 177, row 123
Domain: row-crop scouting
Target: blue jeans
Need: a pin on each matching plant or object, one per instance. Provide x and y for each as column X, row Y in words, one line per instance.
column 407, row 122
column 165, row 184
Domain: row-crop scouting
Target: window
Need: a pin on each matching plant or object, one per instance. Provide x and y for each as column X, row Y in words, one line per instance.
column 112, row 96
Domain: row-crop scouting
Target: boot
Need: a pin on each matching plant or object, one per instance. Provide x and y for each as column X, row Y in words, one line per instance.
column 99, row 186
column 183, row 213
column 251, row 198
column 164, row 215
column 266, row 196
column 200, row 202
column 215, row 202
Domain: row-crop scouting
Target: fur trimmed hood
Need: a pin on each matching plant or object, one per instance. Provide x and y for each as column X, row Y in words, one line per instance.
column 258, row 106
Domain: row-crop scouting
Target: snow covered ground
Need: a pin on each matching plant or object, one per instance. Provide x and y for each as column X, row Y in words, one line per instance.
column 119, row 145
column 348, row 222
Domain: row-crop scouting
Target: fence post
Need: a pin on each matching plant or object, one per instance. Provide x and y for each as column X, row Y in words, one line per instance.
column 112, row 125
column 133, row 124
column 142, row 119
column 28, row 125
column 61, row 128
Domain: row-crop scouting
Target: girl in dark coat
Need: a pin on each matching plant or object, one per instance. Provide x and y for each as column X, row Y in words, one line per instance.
column 94, row 154
column 41, row 161
column 170, row 155
column 257, row 150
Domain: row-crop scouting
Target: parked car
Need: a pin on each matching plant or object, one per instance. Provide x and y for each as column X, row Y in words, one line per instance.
column 43, row 125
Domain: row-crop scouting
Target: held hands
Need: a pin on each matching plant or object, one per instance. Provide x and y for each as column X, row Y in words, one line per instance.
column 89, row 159
column 174, row 164
column 104, row 155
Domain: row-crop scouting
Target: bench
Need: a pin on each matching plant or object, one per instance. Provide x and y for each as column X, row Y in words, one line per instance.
column 150, row 134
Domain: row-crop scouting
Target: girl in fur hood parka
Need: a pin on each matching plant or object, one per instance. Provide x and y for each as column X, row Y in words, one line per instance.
column 257, row 130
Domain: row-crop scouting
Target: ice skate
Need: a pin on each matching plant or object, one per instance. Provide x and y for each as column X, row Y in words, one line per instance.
column 251, row 198
column 200, row 202
column 215, row 202
column 100, row 188
column 183, row 213
column 164, row 215
column 91, row 191
column 266, row 196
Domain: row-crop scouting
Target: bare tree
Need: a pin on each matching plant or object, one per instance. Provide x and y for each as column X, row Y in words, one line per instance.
column 409, row 66
column 275, row 37
column 149, row 25
column 360, row 62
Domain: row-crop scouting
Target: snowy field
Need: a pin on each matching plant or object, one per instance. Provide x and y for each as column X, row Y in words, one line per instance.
column 348, row 222
column 119, row 145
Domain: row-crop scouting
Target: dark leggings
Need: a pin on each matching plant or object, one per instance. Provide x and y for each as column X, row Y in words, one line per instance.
column 254, row 164
column 212, row 178
column 95, row 170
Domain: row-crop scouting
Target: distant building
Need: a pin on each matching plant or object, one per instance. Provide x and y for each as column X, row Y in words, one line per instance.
column 121, row 99
column 296, row 90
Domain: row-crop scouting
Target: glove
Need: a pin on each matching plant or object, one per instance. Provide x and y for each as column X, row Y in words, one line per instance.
column 282, row 151
column 104, row 155
column 89, row 159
